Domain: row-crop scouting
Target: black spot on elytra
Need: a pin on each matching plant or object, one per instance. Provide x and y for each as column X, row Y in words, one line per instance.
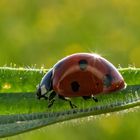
column 83, row 64
column 97, row 84
column 107, row 80
column 75, row 86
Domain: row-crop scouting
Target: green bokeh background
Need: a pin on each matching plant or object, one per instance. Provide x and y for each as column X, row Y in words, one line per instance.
column 43, row 31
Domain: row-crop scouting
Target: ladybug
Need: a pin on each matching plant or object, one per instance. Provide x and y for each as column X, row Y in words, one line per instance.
column 79, row 75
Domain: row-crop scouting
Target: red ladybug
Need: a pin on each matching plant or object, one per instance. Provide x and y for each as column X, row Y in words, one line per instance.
column 80, row 74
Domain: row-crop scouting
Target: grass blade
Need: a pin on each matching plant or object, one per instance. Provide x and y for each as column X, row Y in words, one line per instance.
column 21, row 111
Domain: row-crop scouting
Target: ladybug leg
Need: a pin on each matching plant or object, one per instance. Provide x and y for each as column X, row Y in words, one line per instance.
column 90, row 97
column 68, row 100
column 86, row 97
column 51, row 103
column 51, row 99
column 71, row 104
column 94, row 98
column 42, row 96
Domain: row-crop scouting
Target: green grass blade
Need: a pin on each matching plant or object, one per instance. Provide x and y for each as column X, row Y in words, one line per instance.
column 21, row 111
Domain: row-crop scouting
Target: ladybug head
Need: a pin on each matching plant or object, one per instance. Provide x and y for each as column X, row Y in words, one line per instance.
column 45, row 85
column 41, row 91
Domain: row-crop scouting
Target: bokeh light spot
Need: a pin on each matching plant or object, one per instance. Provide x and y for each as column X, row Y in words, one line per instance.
column 6, row 86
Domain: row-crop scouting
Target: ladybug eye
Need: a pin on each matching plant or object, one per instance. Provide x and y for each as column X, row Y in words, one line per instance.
column 75, row 86
column 107, row 80
column 83, row 64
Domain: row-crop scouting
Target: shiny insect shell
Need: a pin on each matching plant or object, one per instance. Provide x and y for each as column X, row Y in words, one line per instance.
column 81, row 74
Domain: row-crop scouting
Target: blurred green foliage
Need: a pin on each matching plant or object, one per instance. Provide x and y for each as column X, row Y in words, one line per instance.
column 116, row 126
column 43, row 31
